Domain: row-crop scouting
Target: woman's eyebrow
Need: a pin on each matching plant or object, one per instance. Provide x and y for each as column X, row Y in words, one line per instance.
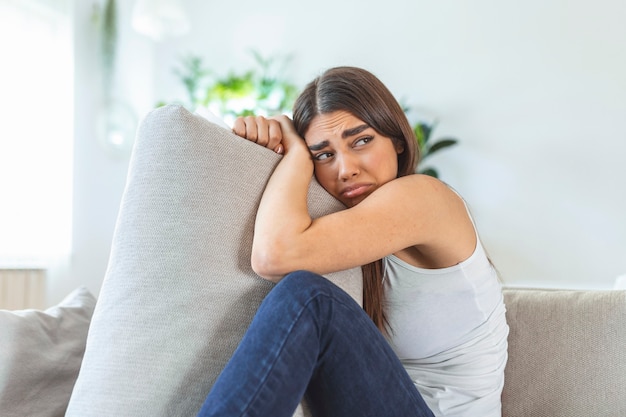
column 354, row 131
column 319, row 146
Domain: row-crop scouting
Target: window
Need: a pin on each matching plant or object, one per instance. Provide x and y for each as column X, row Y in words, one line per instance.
column 36, row 133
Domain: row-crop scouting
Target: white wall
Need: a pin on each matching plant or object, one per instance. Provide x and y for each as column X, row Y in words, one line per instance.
column 535, row 92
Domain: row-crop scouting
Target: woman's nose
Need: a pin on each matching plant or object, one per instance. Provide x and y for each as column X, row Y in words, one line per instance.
column 348, row 167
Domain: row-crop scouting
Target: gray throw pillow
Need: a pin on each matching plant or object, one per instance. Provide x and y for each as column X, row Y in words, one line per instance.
column 40, row 355
column 179, row 291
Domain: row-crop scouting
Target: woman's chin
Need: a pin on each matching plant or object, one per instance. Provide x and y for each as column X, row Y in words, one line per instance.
column 351, row 202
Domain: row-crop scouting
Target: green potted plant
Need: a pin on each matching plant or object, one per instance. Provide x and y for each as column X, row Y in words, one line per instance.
column 423, row 132
column 262, row 90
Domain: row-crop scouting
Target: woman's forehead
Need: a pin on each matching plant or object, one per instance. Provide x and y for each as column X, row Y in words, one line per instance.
column 338, row 124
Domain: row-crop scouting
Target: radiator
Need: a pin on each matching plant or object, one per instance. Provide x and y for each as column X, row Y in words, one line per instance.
column 22, row 288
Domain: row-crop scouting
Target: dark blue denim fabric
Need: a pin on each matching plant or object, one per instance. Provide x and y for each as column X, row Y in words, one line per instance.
column 311, row 338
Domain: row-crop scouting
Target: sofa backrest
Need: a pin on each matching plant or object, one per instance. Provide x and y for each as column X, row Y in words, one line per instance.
column 567, row 353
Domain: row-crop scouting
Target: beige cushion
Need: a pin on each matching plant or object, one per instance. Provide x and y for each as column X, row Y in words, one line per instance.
column 40, row 355
column 179, row 291
column 567, row 354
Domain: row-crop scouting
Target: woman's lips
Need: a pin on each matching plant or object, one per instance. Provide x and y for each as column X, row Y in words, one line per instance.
column 355, row 190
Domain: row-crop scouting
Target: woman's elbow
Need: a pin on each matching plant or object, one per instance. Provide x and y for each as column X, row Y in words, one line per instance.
column 266, row 265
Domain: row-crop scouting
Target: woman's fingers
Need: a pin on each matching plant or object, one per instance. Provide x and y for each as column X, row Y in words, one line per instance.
column 263, row 131
column 239, row 127
column 286, row 125
column 289, row 136
column 275, row 136
column 252, row 130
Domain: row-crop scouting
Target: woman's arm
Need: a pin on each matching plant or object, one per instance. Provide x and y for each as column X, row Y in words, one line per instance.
column 415, row 211
column 283, row 214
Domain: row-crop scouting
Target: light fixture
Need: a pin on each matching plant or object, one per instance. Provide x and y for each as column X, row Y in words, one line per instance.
column 159, row 19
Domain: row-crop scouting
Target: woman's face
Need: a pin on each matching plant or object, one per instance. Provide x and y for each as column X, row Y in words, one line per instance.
column 351, row 159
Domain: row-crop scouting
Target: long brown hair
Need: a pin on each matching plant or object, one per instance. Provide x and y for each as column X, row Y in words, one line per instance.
column 362, row 94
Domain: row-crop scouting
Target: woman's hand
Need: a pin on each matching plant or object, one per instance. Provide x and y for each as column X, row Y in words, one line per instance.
column 263, row 131
column 276, row 133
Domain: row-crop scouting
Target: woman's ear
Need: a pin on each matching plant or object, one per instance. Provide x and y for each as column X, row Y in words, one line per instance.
column 399, row 146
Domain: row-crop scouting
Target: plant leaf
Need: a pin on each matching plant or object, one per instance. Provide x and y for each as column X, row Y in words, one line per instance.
column 429, row 171
column 441, row 144
column 419, row 135
column 427, row 129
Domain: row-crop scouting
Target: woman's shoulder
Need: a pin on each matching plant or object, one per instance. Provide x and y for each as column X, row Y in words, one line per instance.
column 441, row 221
column 415, row 194
column 426, row 188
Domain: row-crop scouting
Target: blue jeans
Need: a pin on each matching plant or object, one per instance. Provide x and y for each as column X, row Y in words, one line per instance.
column 310, row 338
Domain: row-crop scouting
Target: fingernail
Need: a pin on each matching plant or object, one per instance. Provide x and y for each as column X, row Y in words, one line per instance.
column 279, row 149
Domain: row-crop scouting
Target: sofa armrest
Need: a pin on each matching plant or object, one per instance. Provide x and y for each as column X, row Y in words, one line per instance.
column 567, row 353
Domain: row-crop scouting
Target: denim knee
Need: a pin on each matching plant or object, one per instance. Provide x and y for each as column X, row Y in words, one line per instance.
column 304, row 285
column 300, row 287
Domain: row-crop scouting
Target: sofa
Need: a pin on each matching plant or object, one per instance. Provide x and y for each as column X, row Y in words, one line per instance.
column 179, row 292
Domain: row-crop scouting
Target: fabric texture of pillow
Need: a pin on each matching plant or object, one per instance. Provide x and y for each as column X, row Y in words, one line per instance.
column 179, row 291
column 567, row 353
column 40, row 355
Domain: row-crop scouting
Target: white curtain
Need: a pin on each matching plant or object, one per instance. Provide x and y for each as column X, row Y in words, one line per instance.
column 36, row 131
column 22, row 288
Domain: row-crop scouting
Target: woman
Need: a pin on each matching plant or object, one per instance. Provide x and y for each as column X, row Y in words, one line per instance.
column 433, row 341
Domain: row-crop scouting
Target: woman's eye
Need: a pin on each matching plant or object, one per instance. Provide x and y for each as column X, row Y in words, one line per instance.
column 322, row 156
column 363, row 141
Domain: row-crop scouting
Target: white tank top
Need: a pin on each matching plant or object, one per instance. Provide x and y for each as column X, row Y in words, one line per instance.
column 448, row 327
